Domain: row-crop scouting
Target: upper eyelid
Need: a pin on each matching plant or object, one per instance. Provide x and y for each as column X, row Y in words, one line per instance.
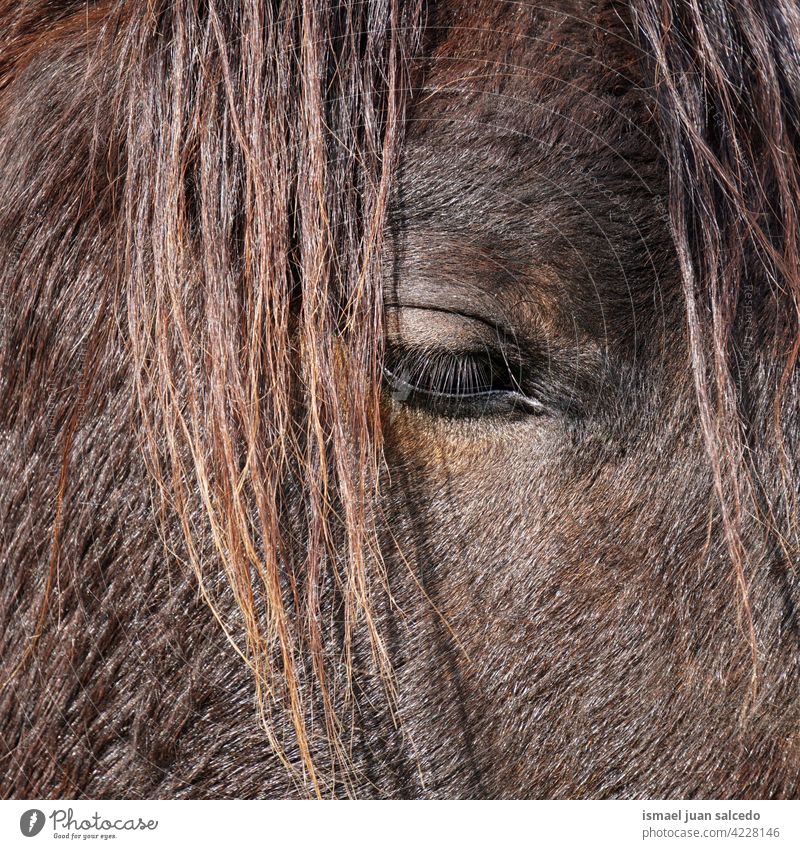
column 501, row 334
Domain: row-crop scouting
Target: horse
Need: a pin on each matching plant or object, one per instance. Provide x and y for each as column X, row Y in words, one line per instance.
column 399, row 399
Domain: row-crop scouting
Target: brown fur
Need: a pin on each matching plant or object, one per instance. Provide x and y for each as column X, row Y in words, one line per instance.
column 232, row 566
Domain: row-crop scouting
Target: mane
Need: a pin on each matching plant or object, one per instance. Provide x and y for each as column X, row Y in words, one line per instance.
column 253, row 249
column 226, row 270
column 243, row 153
column 727, row 84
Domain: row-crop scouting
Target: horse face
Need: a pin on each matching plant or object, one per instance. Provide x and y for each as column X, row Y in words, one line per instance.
column 557, row 596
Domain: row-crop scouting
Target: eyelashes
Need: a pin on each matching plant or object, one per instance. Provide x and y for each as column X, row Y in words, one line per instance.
column 456, row 384
column 442, row 372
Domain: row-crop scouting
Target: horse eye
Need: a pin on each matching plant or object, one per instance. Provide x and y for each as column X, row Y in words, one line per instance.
column 448, row 383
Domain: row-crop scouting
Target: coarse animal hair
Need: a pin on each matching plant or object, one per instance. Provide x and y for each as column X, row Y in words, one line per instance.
column 199, row 202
